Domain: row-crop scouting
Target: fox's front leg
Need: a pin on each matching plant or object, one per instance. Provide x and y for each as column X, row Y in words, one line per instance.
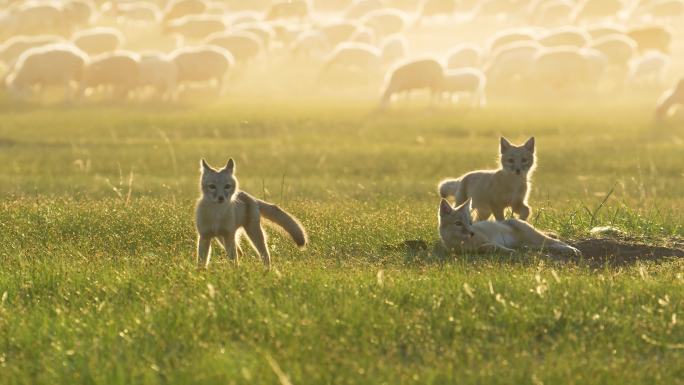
column 522, row 210
column 203, row 251
column 228, row 242
column 494, row 248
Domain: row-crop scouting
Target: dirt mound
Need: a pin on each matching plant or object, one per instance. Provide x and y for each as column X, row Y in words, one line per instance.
column 621, row 252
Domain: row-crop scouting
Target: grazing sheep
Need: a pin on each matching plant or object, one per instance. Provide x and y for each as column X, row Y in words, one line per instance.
column 596, row 9
column 13, row 47
column 157, row 71
column 360, row 8
column 601, row 30
column 386, row 21
column 567, row 67
column 289, row 9
column 566, row 36
column 175, row 9
column 393, row 48
column 511, row 63
column 78, row 12
column 339, row 32
column 655, row 38
column 310, row 44
column 551, row 12
column 470, row 81
column 202, row 64
column 117, row 71
column 430, row 8
column 618, row 49
column 661, row 9
column 671, row 98
column 364, row 35
column 649, row 69
column 415, row 75
column 464, row 55
column 52, row 65
column 38, row 17
column 264, row 31
column 135, row 11
column 511, row 36
column 244, row 46
column 353, row 56
column 195, row 27
column 98, row 40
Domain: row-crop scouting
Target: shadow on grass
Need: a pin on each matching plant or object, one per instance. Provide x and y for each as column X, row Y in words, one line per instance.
column 596, row 252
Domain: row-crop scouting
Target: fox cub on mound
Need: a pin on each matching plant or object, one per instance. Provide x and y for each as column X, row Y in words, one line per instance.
column 222, row 210
column 457, row 231
column 492, row 191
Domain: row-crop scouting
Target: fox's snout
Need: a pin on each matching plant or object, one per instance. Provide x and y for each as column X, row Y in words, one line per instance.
column 221, row 199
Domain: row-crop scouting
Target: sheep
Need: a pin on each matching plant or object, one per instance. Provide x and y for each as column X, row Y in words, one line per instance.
column 567, row 67
column 264, row 31
column 364, row 35
column 618, row 49
column 511, row 63
column 430, row 8
column 136, row 11
column 311, row 44
column 98, row 40
column 548, row 12
column 360, row 8
column 670, row 99
column 115, row 70
column 244, row 46
column 289, row 9
column 195, row 27
column 662, row 9
column 601, row 30
column 176, row 9
column 498, row 7
column 596, row 9
column 566, row 36
column 414, row 75
column 39, row 17
column 651, row 38
column 471, row 81
column 353, row 56
column 510, row 36
column 157, row 71
column 386, row 21
column 51, row 65
column 79, row 12
column 202, row 64
column 464, row 55
column 648, row 69
column 393, row 48
column 13, row 47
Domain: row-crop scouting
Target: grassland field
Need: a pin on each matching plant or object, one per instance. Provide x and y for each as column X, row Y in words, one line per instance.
column 98, row 283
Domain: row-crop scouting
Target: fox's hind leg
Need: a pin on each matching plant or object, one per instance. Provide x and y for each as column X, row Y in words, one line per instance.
column 203, row 251
column 258, row 238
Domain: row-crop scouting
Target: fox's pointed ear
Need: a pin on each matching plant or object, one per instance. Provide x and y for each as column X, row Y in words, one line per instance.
column 230, row 166
column 529, row 145
column 444, row 207
column 505, row 145
column 204, row 166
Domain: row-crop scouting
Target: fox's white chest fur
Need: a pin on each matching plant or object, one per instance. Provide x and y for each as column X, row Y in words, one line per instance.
column 215, row 219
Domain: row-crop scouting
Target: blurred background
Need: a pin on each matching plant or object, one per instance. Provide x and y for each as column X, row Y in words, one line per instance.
column 482, row 52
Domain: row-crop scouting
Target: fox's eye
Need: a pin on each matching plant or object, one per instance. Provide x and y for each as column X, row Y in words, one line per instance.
column 212, row 186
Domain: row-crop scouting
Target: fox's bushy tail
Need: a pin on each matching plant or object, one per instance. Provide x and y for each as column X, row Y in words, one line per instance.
column 449, row 188
column 283, row 219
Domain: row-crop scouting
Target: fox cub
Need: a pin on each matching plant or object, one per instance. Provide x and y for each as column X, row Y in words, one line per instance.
column 492, row 191
column 457, row 231
column 222, row 210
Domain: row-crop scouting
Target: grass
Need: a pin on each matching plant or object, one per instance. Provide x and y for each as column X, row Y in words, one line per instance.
column 98, row 283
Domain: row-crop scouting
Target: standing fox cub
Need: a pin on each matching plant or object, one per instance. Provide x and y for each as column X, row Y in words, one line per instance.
column 222, row 210
column 457, row 231
column 492, row 191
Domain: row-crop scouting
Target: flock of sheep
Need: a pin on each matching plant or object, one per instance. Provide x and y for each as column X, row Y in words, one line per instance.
column 453, row 48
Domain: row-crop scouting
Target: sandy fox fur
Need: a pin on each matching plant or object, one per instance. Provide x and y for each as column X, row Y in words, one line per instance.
column 223, row 210
column 492, row 191
column 458, row 232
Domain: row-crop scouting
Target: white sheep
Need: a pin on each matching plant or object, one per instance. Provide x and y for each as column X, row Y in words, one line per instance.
column 600, row 30
column 289, row 9
column 649, row 69
column 195, row 27
column 176, row 9
column 618, row 49
column 511, row 63
column 98, row 40
column 360, row 8
column 13, row 47
column 310, row 44
column 415, row 75
column 386, row 21
column 551, row 12
column 430, row 8
column 243, row 45
column 597, row 9
column 202, row 64
column 78, row 12
column 651, row 37
column 134, row 11
column 39, row 17
column 156, row 70
column 510, row 36
column 568, row 67
column 116, row 71
column 393, row 48
column 52, row 65
column 468, row 81
column 464, row 55
column 339, row 32
column 565, row 36
column 670, row 99
column 354, row 56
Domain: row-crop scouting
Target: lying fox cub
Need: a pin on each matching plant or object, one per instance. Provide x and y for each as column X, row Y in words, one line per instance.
column 222, row 210
column 457, row 231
